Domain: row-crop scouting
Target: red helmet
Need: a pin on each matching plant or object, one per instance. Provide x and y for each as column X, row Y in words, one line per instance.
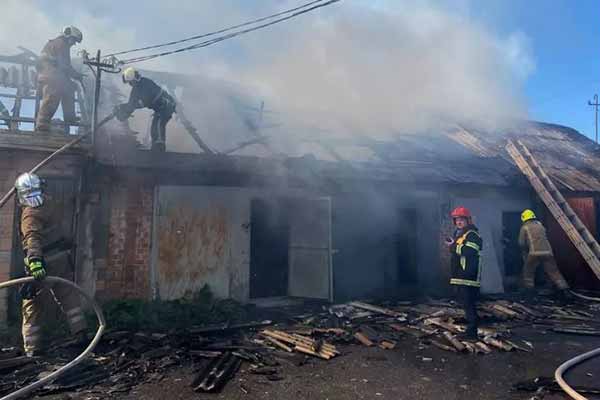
column 461, row 212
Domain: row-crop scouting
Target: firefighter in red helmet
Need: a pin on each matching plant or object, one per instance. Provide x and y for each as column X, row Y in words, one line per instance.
column 465, row 249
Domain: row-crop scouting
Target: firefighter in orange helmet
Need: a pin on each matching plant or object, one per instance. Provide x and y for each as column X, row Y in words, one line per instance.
column 465, row 249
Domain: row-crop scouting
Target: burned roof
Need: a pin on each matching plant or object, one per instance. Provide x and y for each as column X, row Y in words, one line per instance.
column 457, row 155
column 453, row 153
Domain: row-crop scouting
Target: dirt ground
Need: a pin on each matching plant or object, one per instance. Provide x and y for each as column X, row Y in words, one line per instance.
column 406, row 372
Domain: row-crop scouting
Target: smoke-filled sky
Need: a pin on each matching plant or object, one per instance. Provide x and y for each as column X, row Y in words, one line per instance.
column 375, row 68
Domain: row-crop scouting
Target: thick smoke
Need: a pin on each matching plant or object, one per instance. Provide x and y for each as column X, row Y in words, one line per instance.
column 350, row 69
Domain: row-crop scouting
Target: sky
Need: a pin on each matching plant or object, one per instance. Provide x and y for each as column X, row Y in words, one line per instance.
column 565, row 43
column 363, row 65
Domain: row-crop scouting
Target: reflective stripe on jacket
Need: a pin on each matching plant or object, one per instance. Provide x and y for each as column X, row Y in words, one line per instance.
column 533, row 239
column 466, row 258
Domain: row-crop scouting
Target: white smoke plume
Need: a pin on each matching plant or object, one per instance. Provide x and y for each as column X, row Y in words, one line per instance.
column 350, row 69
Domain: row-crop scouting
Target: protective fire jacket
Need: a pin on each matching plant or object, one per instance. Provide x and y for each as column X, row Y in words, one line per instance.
column 147, row 94
column 533, row 239
column 43, row 230
column 55, row 61
column 465, row 261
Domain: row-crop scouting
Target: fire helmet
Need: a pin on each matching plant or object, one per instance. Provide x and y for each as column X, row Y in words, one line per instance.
column 461, row 212
column 29, row 190
column 72, row 32
column 526, row 215
column 130, row 74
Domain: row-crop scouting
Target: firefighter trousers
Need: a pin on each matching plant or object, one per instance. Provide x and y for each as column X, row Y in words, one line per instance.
column 550, row 268
column 469, row 296
column 158, row 129
column 55, row 92
column 34, row 311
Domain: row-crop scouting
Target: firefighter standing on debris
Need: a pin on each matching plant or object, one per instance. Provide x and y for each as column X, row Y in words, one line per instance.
column 46, row 247
column 145, row 93
column 537, row 250
column 465, row 248
column 55, row 78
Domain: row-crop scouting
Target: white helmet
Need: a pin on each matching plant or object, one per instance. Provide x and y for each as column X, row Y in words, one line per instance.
column 29, row 190
column 72, row 32
column 130, row 74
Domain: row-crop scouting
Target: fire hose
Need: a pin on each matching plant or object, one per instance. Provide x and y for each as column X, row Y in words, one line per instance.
column 558, row 375
column 560, row 371
column 101, row 326
column 101, row 321
column 45, row 161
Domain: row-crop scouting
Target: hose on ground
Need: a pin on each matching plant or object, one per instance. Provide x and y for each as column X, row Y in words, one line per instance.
column 101, row 327
column 584, row 297
column 558, row 375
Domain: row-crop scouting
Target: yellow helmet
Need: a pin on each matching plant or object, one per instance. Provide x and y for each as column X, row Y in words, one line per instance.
column 130, row 74
column 527, row 215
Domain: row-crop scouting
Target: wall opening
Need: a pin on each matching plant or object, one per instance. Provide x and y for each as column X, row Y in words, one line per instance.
column 269, row 244
column 290, row 248
column 513, row 259
column 406, row 245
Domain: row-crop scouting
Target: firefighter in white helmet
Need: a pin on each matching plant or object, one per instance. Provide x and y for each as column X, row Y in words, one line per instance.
column 145, row 93
column 47, row 244
column 55, row 78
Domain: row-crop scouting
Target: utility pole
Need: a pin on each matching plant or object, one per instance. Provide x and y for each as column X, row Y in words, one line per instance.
column 595, row 105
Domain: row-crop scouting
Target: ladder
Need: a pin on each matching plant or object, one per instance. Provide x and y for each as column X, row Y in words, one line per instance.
column 577, row 232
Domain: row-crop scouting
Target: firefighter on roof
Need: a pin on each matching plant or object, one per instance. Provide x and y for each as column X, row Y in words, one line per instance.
column 55, row 78
column 145, row 93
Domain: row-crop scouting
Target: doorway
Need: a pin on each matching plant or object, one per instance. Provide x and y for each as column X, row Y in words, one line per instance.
column 513, row 260
column 290, row 248
column 407, row 248
column 269, row 243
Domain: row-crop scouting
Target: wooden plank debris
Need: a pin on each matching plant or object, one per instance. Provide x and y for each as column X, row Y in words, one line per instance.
column 453, row 341
column 361, row 337
column 379, row 310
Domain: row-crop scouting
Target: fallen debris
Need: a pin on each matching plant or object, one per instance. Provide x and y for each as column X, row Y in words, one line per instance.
column 215, row 375
column 303, row 344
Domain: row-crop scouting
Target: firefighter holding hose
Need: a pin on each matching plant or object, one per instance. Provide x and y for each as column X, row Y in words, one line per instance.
column 47, row 247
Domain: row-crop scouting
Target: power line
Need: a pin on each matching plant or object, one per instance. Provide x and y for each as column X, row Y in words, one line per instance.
column 225, row 37
column 218, row 31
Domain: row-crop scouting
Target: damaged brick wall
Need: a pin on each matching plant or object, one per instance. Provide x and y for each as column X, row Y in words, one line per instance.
column 125, row 273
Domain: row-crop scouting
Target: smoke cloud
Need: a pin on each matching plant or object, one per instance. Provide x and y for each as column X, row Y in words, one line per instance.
column 358, row 68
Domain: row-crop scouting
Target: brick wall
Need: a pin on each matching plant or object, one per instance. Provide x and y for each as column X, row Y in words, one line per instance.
column 126, row 271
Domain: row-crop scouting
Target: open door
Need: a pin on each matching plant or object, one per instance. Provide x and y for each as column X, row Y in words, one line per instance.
column 310, row 269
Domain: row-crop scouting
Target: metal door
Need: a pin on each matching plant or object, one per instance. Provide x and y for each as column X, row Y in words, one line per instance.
column 192, row 241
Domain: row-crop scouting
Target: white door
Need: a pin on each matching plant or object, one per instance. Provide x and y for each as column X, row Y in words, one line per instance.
column 310, row 269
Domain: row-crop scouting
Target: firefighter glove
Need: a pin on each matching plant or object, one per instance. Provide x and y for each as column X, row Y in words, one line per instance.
column 36, row 269
column 121, row 112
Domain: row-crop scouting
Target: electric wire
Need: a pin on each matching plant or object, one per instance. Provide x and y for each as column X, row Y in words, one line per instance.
column 225, row 37
column 252, row 22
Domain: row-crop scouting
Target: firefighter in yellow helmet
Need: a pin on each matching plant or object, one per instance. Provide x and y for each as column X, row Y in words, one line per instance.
column 537, row 250
column 47, row 247
column 55, row 78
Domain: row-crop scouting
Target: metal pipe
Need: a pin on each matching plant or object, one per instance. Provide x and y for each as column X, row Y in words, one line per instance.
column 101, row 327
